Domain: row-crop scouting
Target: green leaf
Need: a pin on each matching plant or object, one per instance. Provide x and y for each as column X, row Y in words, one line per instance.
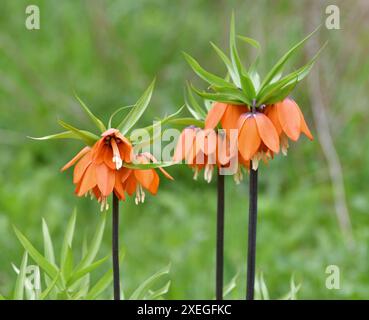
column 263, row 288
column 278, row 67
column 61, row 135
column 104, row 281
column 232, row 73
column 48, row 245
column 82, row 272
column 230, row 286
column 50, row 287
column 68, row 236
column 19, row 284
column 136, row 112
column 95, row 244
column 49, row 268
column 94, row 119
column 192, row 105
column 142, row 290
column 205, row 75
column 116, row 112
column 152, row 129
column 246, row 83
column 67, row 265
column 88, row 137
column 235, row 93
column 152, row 295
column 250, row 41
column 2, row 297
column 187, row 122
column 219, row 97
column 145, row 166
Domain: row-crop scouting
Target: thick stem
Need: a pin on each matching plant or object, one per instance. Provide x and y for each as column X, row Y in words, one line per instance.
column 220, row 238
column 251, row 253
column 115, row 247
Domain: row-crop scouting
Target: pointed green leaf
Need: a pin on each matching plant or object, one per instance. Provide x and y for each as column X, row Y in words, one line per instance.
column 104, row 281
column 67, row 265
column 263, row 288
column 116, row 112
column 278, row 67
column 152, row 295
column 142, row 290
column 219, row 97
column 145, row 166
column 250, row 41
column 230, row 286
column 50, row 287
column 49, row 268
column 61, row 135
column 205, row 75
column 232, row 73
column 94, row 119
column 136, row 112
column 192, row 105
column 185, row 122
column 82, row 272
column 19, row 284
column 88, row 137
column 48, row 245
column 95, row 244
column 68, row 236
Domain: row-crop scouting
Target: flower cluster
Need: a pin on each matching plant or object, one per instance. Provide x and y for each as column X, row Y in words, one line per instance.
column 263, row 131
column 99, row 170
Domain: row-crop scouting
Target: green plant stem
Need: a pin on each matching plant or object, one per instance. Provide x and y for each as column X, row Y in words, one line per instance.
column 251, row 252
column 115, row 247
column 220, row 238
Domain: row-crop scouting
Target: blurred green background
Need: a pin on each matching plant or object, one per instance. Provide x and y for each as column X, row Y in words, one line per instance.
column 108, row 52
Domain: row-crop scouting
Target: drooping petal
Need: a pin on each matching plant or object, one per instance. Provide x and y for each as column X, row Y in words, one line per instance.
column 272, row 113
column 81, row 167
column 267, row 132
column 248, row 138
column 88, row 180
column 184, row 144
column 78, row 156
column 289, row 118
column 231, row 116
column 304, row 126
column 129, row 184
column 215, row 114
column 153, row 189
column 118, row 189
column 105, row 179
column 108, row 158
column 145, row 177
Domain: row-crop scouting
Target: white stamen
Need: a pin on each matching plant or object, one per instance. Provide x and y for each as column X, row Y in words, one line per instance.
column 208, row 173
column 140, row 195
column 255, row 162
column 238, row 176
column 104, row 206
column 196, row 173
column 118, row 162
column 284, row 144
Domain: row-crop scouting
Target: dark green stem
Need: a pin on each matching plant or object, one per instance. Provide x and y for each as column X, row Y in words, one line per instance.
column 220, row 238
column 251, row 252
column 115, row 247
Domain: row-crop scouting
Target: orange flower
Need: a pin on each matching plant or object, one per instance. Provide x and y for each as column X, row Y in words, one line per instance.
column 136, row 180
column 97, row 168
column 199, row 149
column 204, row 149
column 226, row 114
column 257, row 137
column 288, row 120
